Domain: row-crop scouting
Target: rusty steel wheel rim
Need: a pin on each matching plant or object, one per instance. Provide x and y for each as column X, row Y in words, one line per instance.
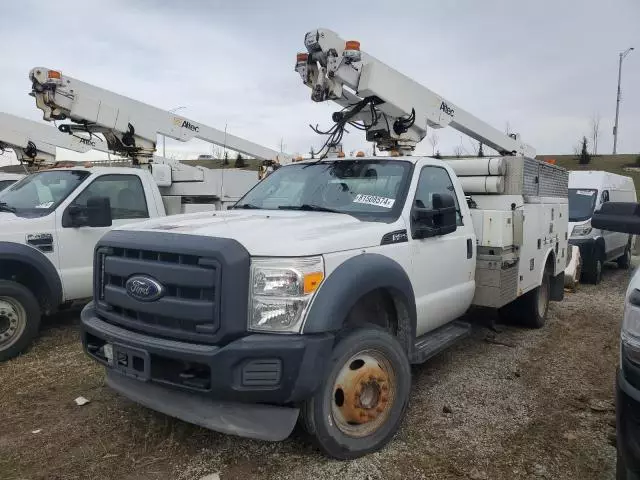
column 363, row 393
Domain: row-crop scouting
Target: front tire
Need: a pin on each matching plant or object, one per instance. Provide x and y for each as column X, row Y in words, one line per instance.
column 624, row 261
column 362, row 400
column 19, row 318
column 593, row 271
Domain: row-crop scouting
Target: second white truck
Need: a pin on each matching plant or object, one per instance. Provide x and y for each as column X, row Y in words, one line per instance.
column 51, row 220
column 310, row 299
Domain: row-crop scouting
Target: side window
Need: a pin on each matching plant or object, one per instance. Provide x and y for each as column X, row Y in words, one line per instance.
column 435, row 180
column 605, row 196
column 125, row 193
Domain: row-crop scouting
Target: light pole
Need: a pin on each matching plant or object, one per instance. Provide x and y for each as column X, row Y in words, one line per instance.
column 615, row 126
column 164, row 143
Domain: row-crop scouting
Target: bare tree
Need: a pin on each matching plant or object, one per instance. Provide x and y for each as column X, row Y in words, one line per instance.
column 595, row 132
column 433, row 140
column 507, row 128
column 458, row 150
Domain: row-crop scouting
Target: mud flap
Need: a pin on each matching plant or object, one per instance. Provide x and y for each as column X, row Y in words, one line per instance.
column 557, row 287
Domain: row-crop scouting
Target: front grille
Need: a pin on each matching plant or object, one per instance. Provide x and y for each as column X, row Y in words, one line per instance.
column 188, row 310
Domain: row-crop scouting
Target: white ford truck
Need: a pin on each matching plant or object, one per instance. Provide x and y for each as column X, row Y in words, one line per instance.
column 311, row 298
column 315, row 293
column 51, row 221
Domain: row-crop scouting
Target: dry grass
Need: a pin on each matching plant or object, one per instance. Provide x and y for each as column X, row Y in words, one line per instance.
column 519, row 411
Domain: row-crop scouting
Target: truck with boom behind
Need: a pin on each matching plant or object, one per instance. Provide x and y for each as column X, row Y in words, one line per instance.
column 53, row 218
column 311, row 297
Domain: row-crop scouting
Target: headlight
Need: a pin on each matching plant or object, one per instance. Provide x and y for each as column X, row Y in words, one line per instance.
column 281, row 289
column 630, row 332
column 581, row 230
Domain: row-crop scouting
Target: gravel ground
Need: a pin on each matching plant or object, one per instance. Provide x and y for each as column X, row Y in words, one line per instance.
column 507, row 403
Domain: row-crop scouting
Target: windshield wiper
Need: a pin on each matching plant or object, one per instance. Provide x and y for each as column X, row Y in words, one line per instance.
column 309, row 208
column 6, row 208
column 246, row 206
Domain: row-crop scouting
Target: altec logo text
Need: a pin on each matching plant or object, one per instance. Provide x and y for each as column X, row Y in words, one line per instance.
column 186, row 124
column 446, row 109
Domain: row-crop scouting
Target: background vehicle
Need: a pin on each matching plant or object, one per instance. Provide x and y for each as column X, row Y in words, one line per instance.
column 53, row 219
column 8, row 179
column 326, row 280
column 625, row 218
column 588, row 191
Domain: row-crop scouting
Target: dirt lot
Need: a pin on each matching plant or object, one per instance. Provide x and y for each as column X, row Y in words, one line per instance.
column 501, row 405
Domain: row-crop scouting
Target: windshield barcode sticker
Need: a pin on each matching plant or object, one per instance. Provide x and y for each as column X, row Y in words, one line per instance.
column 374, row 200
column 44, row 205
column 586, row 193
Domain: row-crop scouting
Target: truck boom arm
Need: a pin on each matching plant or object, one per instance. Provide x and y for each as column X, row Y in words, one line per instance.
column 393, row 109
column 34, row 142
column 130, row 127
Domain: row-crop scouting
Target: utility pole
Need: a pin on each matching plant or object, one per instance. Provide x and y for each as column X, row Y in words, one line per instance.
column 164, row 139
column 622, row 55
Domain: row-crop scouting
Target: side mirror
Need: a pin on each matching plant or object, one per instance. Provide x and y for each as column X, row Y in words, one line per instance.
column 440, row 220
column 97, row 213
column 620, row 217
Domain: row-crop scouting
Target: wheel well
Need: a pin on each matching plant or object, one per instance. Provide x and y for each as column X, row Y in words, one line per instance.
column 550, row 264
column 30, row 277
column 383, row 308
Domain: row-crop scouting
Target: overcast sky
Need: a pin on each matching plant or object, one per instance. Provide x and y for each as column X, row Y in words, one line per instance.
column 544, row 66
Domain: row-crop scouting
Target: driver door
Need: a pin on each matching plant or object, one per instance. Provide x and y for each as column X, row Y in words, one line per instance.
column 442, row 267
column 76, row 244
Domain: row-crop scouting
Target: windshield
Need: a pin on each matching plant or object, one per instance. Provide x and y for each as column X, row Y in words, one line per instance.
column 38, row 194
column 371, row 189
column 581, row 204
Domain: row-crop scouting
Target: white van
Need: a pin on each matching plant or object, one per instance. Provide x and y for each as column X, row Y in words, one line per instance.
column 588, row 190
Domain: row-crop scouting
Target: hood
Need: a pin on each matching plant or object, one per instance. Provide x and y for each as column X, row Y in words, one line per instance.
column 276, row 233
column 14, row 228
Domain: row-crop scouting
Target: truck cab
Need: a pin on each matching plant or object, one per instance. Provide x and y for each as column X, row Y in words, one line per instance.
column 312, row 296
column 588, row 191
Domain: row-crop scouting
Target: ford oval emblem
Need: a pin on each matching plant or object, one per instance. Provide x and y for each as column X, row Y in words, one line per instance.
column 143, row 288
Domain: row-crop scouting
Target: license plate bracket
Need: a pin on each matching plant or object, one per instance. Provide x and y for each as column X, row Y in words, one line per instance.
column 131, row 362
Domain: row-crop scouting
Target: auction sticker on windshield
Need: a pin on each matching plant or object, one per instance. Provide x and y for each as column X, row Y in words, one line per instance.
column 586, row 193
column 374, row 200
column 45, row 205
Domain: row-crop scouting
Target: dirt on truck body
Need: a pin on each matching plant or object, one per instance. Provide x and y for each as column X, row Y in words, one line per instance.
column 506, row 403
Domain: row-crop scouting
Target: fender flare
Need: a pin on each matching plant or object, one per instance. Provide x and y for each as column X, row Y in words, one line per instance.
column 17, row 252
column 352, row 280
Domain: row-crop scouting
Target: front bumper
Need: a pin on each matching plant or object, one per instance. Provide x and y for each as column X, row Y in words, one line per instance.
column 587, row 247
column 628, row 424
column 218, row 387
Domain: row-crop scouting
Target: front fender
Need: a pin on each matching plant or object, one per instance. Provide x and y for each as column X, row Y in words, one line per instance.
column 17, row 252
column 351, row 281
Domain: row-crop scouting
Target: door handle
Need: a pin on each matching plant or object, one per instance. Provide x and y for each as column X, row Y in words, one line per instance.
column 469, row 248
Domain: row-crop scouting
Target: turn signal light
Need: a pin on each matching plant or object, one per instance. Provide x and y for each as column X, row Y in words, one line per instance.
column 54, row 74
column 302, row 57
column 312, row 281
column 360, row 154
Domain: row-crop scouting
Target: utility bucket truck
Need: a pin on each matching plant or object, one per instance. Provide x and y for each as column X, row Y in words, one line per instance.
column 52, row 219
column 314, row 294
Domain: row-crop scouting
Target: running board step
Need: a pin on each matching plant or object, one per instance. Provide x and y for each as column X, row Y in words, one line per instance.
column 434, row 342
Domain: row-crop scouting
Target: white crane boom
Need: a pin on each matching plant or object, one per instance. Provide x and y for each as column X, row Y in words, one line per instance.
column 129, row 126
column 393, row 109
column 35, row 142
